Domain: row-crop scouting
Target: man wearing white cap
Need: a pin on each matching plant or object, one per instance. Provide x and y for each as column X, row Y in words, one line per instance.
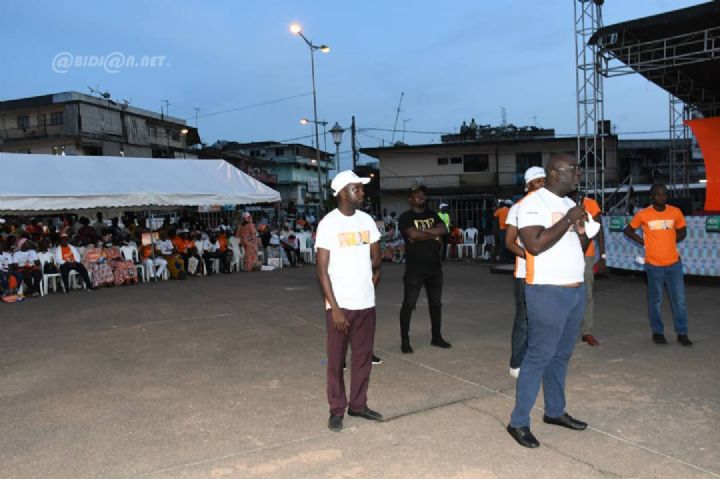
column 534, row 180
column 348, row 268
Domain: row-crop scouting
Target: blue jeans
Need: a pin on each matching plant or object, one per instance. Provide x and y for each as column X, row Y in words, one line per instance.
column 670, row 277
column 554, row 316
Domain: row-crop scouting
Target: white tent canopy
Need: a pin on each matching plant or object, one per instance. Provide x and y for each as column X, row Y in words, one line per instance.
column 62, row 183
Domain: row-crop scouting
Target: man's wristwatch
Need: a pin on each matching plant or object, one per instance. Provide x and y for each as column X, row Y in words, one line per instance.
column 603, row 256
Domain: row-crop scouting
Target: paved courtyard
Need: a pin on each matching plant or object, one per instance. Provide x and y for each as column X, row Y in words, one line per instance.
column 223, row 377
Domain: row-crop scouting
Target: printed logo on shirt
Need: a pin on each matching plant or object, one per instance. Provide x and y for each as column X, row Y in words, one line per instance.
column 355, row 238
column 655, row 225
column 424, row 224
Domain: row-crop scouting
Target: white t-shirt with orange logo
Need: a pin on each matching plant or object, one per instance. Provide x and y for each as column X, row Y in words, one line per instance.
column 348, row 238
column 564, row 262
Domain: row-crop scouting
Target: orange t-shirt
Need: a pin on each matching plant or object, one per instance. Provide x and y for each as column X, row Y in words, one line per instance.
column 146, row 251
column 189, row 244
column 592, row 207
column 501, row 215
column 67, row 254
column 179, row 244
column 660, row 234
column 223, row 243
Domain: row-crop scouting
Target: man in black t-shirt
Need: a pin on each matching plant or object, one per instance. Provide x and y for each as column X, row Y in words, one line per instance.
column 422, row 231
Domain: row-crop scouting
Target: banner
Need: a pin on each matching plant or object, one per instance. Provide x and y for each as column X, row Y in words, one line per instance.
column 707, row 134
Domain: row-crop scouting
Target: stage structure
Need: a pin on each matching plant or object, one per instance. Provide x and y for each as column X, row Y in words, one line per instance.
column 591, row 125
column 680, row 52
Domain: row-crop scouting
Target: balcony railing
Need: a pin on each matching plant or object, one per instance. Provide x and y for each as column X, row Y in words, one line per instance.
column 431, row 181
column 34, row 131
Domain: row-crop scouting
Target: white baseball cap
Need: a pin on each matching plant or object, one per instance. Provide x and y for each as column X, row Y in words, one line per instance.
column 443, row 205
column 345, row 178
column 533, row 173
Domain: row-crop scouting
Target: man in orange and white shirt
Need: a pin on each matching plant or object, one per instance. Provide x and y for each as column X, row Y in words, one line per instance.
column 663, row 226
column 552, row 230
column 67, row 258
column 534, row 180
column 586, row 329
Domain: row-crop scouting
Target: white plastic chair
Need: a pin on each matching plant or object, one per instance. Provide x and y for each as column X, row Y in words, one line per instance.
column 470, row 237
column 130, row 253
column 306, row 248
column 45, row 258
column 238, row 254
column 459, row 249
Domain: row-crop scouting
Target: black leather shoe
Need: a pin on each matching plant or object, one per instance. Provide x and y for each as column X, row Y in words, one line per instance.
column 523, row 436
column 335, row 423
column 406, row 348
column 440, row 343
column 565, row 421
column 366, row 413
column 684, row 340
column 659, row 339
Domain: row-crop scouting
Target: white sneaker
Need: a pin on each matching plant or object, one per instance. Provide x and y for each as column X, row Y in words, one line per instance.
column 515, row 372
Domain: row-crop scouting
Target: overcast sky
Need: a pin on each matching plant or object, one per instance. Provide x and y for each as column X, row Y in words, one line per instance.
column 467, row 59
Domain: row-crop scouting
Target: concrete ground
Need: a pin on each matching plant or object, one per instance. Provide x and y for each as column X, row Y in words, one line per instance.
column 224, row 377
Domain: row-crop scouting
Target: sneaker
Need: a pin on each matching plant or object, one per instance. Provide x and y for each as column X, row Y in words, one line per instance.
column 684, row 340
column 376, row 360
column 440, row 343
column 659, row 338
column 406, row 348
column 335, row 423
column 515, row 372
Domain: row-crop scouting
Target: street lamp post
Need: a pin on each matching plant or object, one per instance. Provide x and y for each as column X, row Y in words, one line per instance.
column 337, row 131
column 305, row 121
column 296, row 29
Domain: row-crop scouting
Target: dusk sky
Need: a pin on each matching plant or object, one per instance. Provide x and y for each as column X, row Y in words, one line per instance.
column 454, row 62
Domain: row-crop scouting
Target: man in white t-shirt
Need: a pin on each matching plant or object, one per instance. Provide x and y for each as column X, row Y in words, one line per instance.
column 552, row 229
column 348, row 268
column 534, row 180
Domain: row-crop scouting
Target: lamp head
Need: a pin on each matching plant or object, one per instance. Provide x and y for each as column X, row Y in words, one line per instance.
column 324, row 48
column 295, row 28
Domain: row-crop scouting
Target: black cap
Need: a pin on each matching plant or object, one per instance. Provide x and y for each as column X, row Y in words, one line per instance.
column 417, row 187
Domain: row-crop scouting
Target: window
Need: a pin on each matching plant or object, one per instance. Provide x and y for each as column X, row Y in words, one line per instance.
column 523, row 161
column 475, row 163
column 42, row 119
column 456, row 160
column 279, row 152
column 442, row 161
column 23, row 122
column 56, row 118
column 152, row 131
column 175, row 136
column 255, row 153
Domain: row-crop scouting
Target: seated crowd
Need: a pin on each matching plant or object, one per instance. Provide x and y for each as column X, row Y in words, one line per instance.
column 94, row 255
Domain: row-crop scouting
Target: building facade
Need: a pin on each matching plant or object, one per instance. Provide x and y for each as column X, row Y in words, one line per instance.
column 73, row 123
column 472, row 173
column 295, row 167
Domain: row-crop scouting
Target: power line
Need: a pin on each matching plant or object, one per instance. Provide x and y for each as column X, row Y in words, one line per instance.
column 254, row 105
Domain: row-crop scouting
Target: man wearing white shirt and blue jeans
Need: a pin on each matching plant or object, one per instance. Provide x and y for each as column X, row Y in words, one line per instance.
column 552, row 228
column 348, row 268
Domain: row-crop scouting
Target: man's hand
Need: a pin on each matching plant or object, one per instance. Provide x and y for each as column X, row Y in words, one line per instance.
column 575, row 214
column 339, row 321
column 602, row 267
column 376, row 276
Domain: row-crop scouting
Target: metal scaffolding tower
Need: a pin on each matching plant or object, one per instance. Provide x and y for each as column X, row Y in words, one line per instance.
column 680, row 147
column 591, row 127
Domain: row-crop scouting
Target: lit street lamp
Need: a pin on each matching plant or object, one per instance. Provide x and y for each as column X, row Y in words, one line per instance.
column 337, row 131
column 296, row 29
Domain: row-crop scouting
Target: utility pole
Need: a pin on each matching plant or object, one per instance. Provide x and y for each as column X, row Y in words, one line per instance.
column 354, row 144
